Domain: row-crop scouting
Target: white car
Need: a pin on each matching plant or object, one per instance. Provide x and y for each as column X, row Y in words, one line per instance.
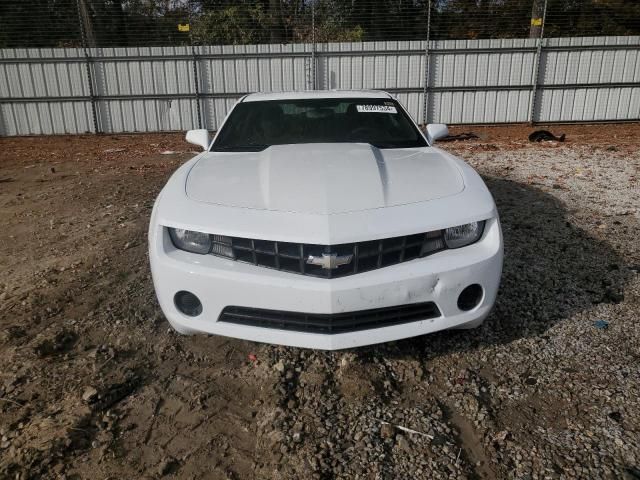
column 324, row 220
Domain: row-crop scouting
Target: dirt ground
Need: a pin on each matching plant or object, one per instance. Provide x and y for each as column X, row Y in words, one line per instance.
column 93, row 383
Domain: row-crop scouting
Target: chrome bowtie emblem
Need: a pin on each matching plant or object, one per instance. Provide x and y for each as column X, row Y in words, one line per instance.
column 329, row 261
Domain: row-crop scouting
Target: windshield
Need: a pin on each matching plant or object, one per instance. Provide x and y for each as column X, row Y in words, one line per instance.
column 378, row 121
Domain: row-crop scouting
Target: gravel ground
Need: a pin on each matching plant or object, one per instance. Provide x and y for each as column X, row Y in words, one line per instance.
column 94, row 384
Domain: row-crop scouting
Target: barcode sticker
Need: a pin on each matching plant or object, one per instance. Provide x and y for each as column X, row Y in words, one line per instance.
column 376, row 109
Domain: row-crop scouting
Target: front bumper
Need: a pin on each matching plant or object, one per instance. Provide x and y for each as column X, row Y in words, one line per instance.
column 218, row 283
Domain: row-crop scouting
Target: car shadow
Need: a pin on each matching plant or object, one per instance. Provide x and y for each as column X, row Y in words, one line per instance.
column 552, row 270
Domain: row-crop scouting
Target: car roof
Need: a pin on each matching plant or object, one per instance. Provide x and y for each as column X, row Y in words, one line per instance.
column 256, row 97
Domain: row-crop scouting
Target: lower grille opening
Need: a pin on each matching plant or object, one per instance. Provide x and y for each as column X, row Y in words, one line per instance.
column 329, row 323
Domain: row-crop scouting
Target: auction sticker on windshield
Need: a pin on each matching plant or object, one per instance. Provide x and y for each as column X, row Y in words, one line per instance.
column 376, row 109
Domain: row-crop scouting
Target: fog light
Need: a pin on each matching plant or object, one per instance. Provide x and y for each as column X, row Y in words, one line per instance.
column 470, row 297
column 188, row 303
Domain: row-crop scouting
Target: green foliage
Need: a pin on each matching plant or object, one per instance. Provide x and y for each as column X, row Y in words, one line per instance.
column 333, row 23
column 593, row 17
column 57, row 23
column 230, row 25
column 39, row 23
column 472, row 19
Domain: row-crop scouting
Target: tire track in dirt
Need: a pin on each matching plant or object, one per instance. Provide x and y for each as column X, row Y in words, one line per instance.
column 471, row 450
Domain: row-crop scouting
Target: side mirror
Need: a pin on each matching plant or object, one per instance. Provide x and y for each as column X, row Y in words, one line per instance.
column 436, row 131
column 198, row 137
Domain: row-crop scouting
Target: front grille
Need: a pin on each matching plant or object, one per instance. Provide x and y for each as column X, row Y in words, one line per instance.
column 292, row 257
column 330, row 323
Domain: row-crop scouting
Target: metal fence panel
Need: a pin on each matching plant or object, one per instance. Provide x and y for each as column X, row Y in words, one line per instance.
column 148, row 115
column 138, row 89
column 574, row 61
column 482, row 63
column 36, row 78
column 466, row 107
column 252, row 68
column 590, row 104
column 589, row 79
column 45, row 118
column 144, row 77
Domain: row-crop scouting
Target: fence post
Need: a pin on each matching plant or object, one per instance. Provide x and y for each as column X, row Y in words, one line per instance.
column 196, row 84
column 425, row 85
column 536, row 63
column 314, row 85
column 82, row 16
column 196, row 78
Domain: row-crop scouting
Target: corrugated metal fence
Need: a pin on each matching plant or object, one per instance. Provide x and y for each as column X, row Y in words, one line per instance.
column 109, row 90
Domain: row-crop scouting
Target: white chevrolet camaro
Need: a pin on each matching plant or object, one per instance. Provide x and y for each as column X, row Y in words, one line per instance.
column 325, row 220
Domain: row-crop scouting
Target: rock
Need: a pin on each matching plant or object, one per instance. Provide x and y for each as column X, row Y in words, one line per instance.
column 60, row 343
column 613, row 296
column 387, row 430
column 89, row 394
column 403, row 444
column 114, row 393
column 167, row 466
column 616, row 416
column 279, row 366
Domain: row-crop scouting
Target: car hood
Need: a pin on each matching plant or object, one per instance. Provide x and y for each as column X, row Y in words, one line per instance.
column 323, row 178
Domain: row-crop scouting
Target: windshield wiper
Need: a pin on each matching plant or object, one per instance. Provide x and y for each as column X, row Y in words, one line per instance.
column 239, row 148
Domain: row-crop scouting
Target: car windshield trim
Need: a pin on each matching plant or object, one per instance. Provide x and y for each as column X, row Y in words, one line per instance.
column 262, row 147
column 257, row 125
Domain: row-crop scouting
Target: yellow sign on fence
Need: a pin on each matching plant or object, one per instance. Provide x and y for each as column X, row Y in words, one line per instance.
column 183, row 28
column 536, row 22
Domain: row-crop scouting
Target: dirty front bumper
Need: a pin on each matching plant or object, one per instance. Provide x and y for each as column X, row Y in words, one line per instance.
column 220, row 283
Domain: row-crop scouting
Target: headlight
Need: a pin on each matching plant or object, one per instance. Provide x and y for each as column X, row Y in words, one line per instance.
column 462, row 235
column 203, row 243
column 194, row 242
